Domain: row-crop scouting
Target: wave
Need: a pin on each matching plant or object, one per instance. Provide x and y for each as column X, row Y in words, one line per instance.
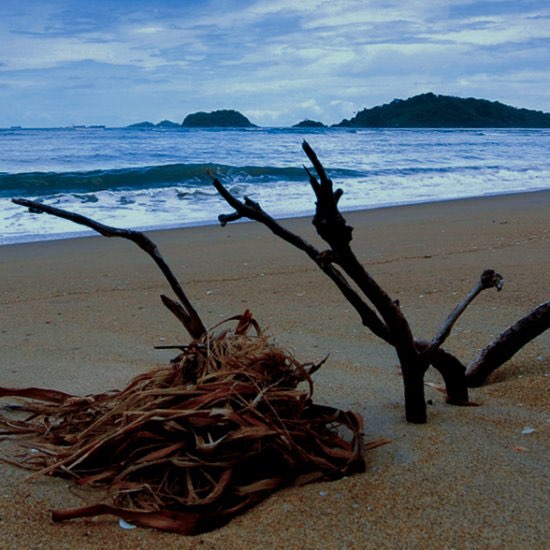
column 27, row 184
column 143, row 177
column 42, row 184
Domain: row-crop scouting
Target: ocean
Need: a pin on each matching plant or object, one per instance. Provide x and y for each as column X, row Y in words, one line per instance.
column 159, row 178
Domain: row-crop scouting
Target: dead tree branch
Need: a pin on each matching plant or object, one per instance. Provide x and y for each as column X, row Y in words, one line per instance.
column 331, row 226
column 505, row 346
column 252, row 210
column 488, row 279
column 333, row 229
column 384, row 317
column 186, row 313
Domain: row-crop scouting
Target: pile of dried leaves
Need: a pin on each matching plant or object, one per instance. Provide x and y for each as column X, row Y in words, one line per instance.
column 187, row 447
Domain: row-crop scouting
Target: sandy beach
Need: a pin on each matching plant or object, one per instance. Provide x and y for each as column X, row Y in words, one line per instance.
column 84, row 315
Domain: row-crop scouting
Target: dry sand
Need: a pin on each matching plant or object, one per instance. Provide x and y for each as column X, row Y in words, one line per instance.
column 83, row 316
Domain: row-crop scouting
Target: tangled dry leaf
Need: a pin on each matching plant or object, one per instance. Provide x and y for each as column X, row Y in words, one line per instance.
column 187, row 447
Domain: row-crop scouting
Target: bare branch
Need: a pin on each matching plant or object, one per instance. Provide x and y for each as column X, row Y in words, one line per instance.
column 332, row 228
column 313, row 181
column 328, row 220
column 319, row 168
column 252, row 210
column 387, row 321
column 488, row 279
column 189, row 317
column 385, row 318
column 508, row 344
column 224, row 219
column 452, row 371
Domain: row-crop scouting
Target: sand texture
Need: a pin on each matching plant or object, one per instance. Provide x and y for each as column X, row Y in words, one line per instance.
column 84, row 316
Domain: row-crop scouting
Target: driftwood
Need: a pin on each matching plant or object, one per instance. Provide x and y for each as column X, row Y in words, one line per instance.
column 379, row 312
column 187, row 447
column 507, row 344
column 183, row 310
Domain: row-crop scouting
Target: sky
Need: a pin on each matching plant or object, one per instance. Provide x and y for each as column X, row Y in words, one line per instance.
column 119, row 62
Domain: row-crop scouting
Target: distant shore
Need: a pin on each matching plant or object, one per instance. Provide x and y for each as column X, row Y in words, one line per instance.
column 426, row 110
column 84, row 315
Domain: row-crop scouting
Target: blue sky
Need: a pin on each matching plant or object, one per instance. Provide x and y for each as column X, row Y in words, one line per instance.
column 68, row 62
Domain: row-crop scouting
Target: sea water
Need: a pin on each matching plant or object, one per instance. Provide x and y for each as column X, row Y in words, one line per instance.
column 161, row 178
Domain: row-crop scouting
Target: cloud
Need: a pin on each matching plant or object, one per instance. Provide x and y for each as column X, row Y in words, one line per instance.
column 270, row 57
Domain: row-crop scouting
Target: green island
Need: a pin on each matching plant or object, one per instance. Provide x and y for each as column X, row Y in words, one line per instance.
column 440, row 111
column 307, row 123
column 225, row 118
column 427, row 110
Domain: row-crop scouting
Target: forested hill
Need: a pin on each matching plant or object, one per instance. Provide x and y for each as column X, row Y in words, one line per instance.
column 440, row 111
column 225, row 118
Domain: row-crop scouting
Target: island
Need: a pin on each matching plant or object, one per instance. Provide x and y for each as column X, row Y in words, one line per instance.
column 140, row 125
column 427, row 110
column 440, row 111
column 225, row 118
column 167, row 124
column 148, row 125
column 307, row 123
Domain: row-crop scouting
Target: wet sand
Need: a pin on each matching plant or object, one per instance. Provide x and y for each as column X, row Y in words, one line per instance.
column 84, row 315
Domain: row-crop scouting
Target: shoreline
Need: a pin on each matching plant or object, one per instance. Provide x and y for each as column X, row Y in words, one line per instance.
column 86, row 233
column 84, row 315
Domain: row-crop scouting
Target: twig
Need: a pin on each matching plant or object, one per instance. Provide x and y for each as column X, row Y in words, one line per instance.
column 488, row 279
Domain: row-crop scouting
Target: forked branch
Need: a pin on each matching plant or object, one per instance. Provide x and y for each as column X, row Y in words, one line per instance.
column 252, row 210
column 385, row 318
column 328, row 220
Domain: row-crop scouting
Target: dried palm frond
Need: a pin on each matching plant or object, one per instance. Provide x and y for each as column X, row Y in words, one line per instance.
column 186, row 447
